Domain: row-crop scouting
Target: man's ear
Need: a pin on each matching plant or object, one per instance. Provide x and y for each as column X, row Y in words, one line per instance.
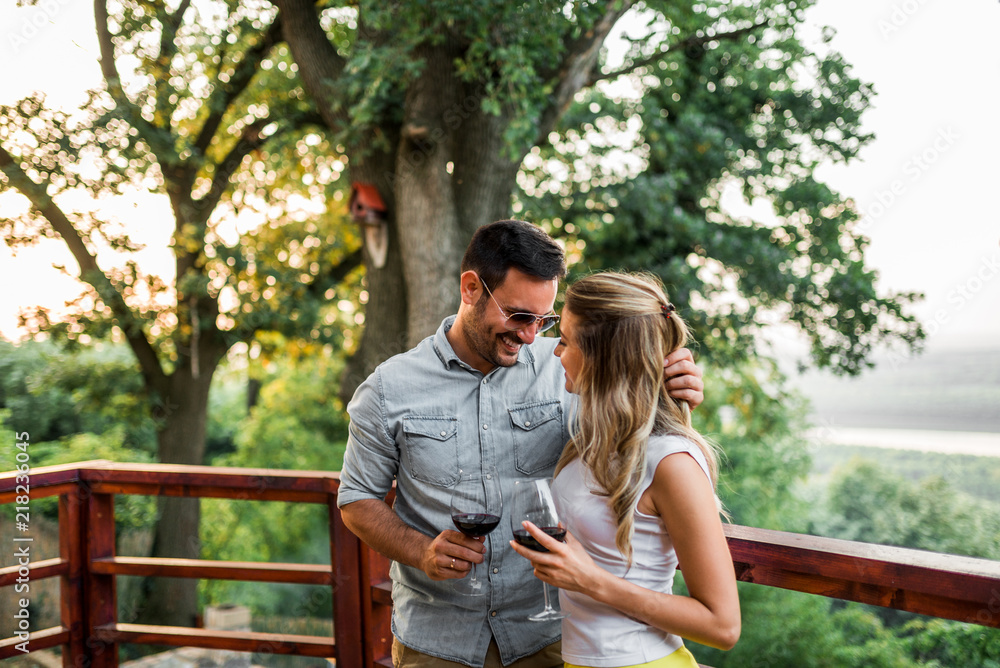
column 471, row 287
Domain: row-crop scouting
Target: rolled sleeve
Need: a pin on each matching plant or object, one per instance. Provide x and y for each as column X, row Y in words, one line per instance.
column 372, row 457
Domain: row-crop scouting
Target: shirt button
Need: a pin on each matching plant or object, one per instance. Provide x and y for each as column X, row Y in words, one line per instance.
column 493, row 613
column 496, row 570
column 444, row 433
column 527, row 424
column 486, row 426
column 489, row 477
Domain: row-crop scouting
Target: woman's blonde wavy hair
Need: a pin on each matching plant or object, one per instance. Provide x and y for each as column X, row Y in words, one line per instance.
column 624, row 333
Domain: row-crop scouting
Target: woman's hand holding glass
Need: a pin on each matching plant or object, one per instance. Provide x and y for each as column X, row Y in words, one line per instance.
column 532, row 506
column 565, row 565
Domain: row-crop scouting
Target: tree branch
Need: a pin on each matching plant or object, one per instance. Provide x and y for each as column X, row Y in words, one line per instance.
column 159, row 140
column 107, row 60
column 320, row 66
column 576, row 67
column 686, row 43
column 168, row 49
column 260, row 320
column 337, row 273
column 90, row 272
column 225, row 92
column 178, row 16
column 250, row 140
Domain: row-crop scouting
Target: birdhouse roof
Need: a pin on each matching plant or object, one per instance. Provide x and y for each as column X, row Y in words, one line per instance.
column 367, row 196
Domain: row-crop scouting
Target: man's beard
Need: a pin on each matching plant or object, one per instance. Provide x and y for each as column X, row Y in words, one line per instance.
column 485, row 343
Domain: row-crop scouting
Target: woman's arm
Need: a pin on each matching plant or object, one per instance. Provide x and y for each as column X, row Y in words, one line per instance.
column 682, row 495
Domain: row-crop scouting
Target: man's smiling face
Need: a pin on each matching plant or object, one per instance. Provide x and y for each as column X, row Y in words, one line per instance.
column 485, row 333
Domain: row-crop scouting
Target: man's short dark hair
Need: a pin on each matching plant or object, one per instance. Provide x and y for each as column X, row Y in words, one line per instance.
column 497, row 247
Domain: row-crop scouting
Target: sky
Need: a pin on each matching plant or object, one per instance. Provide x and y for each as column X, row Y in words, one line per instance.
column 925, row 184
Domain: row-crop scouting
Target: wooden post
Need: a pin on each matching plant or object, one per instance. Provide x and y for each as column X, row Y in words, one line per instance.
column 103, row 609
column 345, row 558
column 376, row 606
column 72, row 607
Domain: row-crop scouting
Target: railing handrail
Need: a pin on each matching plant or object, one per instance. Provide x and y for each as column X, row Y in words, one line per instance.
column 948, row 586
column 305, row 486
column 942, row 585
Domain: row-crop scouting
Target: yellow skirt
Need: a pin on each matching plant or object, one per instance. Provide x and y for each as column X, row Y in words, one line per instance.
column 681, row 658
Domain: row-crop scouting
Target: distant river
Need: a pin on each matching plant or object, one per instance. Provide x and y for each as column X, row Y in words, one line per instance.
column 982, row 444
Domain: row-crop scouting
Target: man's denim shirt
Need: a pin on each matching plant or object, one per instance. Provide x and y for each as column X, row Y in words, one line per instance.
column 420, row 418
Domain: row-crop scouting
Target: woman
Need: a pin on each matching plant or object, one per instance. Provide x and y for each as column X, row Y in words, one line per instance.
column 635, row 488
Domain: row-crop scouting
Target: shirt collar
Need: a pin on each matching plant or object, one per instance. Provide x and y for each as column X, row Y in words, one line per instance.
column 442, row 346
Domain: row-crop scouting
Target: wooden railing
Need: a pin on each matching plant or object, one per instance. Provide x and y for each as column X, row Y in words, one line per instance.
column 946, row 586
column 90, row 631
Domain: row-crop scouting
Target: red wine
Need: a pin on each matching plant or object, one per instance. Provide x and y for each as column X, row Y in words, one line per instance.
column 524, row 538
column 475, row 525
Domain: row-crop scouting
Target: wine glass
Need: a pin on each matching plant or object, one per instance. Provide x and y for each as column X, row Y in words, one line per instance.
column 533, row 502
column 475, row 515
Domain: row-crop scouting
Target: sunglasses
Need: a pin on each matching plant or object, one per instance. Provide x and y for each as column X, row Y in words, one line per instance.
column 516, row 321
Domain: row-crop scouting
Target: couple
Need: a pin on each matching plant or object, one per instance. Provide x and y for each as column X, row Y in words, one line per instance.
column 634, row 482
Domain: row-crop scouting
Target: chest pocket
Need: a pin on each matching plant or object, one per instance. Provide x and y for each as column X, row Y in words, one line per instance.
column 538, row 435
column 432, row 449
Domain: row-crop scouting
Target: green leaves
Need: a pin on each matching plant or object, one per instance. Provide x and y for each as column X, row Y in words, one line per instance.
column 212, row 115
column 758, row 426
column 731, row 106
column 58, row 393
column 868, row 504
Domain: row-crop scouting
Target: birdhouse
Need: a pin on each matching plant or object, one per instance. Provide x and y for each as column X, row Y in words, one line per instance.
column 368, row 209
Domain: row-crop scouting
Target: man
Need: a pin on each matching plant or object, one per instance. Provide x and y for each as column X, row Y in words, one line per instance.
column 482, row 393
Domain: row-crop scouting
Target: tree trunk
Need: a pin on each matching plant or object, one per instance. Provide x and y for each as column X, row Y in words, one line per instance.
column 384, row 333
column 448, row 171
column 183, row 407
column 321, row 66
column 450, row 175
column 485, row 171
column 426, row 213
column 386, row 313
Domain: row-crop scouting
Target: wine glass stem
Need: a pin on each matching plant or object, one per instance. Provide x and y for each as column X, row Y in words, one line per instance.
column 545, row 590
column 474, row 581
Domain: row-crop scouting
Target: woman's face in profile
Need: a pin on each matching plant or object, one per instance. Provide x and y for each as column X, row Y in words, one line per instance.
column 567, row 349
